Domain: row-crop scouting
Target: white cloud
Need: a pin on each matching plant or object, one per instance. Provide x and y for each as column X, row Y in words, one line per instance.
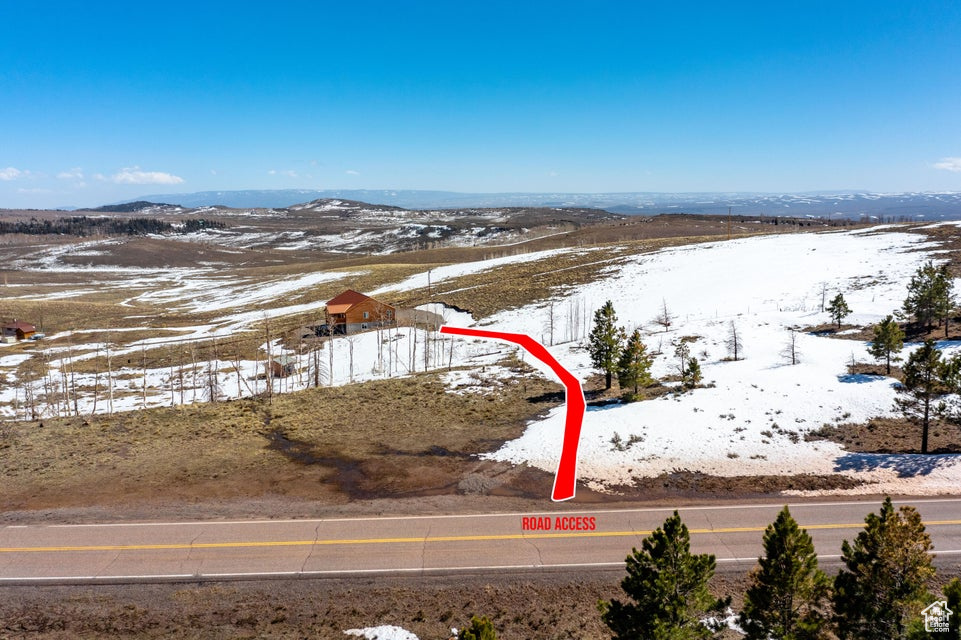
column 73, row 174
column 949, row 164
column 290, row 173
column 12, row 173
column 133, row 175
column 351, row 172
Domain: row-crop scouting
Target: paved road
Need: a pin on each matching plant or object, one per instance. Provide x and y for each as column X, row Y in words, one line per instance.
column 171, row 551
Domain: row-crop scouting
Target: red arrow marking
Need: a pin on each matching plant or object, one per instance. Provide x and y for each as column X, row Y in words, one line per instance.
column 566, row 476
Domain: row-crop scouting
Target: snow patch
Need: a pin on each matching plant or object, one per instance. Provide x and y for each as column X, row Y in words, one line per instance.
column 385, row 632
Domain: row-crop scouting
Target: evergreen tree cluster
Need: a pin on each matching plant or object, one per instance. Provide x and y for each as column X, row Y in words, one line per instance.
column 929, row 377
column 89, row 226
column 930, row 296
column 878, row 593
column 615, row 353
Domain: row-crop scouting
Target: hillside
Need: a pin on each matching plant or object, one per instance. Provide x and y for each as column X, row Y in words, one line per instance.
column 330, row 226
column 851, row 204
column 176, row 346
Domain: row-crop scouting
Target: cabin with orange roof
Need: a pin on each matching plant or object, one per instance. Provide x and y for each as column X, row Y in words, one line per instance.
column 353, row 312
column 16, row 331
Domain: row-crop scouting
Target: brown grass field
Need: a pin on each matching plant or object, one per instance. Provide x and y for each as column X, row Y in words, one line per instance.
column 327, row 444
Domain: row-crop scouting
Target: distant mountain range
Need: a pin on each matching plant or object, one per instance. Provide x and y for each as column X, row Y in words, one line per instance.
column 898, row 206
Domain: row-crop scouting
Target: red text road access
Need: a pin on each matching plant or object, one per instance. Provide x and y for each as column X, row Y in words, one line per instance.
column 559, row 524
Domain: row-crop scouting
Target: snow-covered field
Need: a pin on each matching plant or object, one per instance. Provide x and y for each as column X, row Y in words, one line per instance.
column 752, row 418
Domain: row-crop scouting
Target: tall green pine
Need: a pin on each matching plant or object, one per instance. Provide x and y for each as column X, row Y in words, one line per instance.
column 787, row 592
column 880, row 591
column 924, row 382
column 668, row 587
column 634, row 365
column 692, row 377
column 888, row 341
column 944, row 302
column 930, row 296
column 952, row 594
column 605, row 342
column 838, row 308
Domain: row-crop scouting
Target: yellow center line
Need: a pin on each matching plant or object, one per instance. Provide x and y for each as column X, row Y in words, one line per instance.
column 417, row 540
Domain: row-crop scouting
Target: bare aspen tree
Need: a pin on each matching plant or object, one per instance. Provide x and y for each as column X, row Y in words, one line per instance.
column 330, row 359
column 193, row 371
column 96, row 384
column 180, row 372
column 29, row 400
column 380, row 350
column 240, row 378
column 213, row 383
column 171, row 376
column 735, row 347
column 302, row 371
column 73, row 385
column 426, row 346
column 664, row 316
column 109, row 380
column 350, row 358
column 790, row 351
column 391, row 348
column 412, row 348
column 550, row 323
column 50, row 392
column 268, row 368
column 143, row 364
column 64, row 387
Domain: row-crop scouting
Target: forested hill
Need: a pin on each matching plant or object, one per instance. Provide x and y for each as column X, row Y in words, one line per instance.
column 87, row 226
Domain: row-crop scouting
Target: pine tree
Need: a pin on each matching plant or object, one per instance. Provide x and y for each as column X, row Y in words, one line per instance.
column 634, row 365
column 888, row 341
column 930, row 296
column 924, row 374
column 668, row 586
column 838, row 308
column 787, row 589
column 881, row 589
column 604, row 342
column 944, row 302
column 479, row 629
column 952, row 593
column 683, row 353
column 693, row 377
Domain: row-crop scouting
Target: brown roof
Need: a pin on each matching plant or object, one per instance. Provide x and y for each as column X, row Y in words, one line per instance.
column 344, row 301
column 23, row 326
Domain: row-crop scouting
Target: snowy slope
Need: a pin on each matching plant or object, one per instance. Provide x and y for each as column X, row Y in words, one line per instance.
column 753, row 418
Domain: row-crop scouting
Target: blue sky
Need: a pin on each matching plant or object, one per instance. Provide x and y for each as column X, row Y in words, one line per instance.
column 102, row 102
